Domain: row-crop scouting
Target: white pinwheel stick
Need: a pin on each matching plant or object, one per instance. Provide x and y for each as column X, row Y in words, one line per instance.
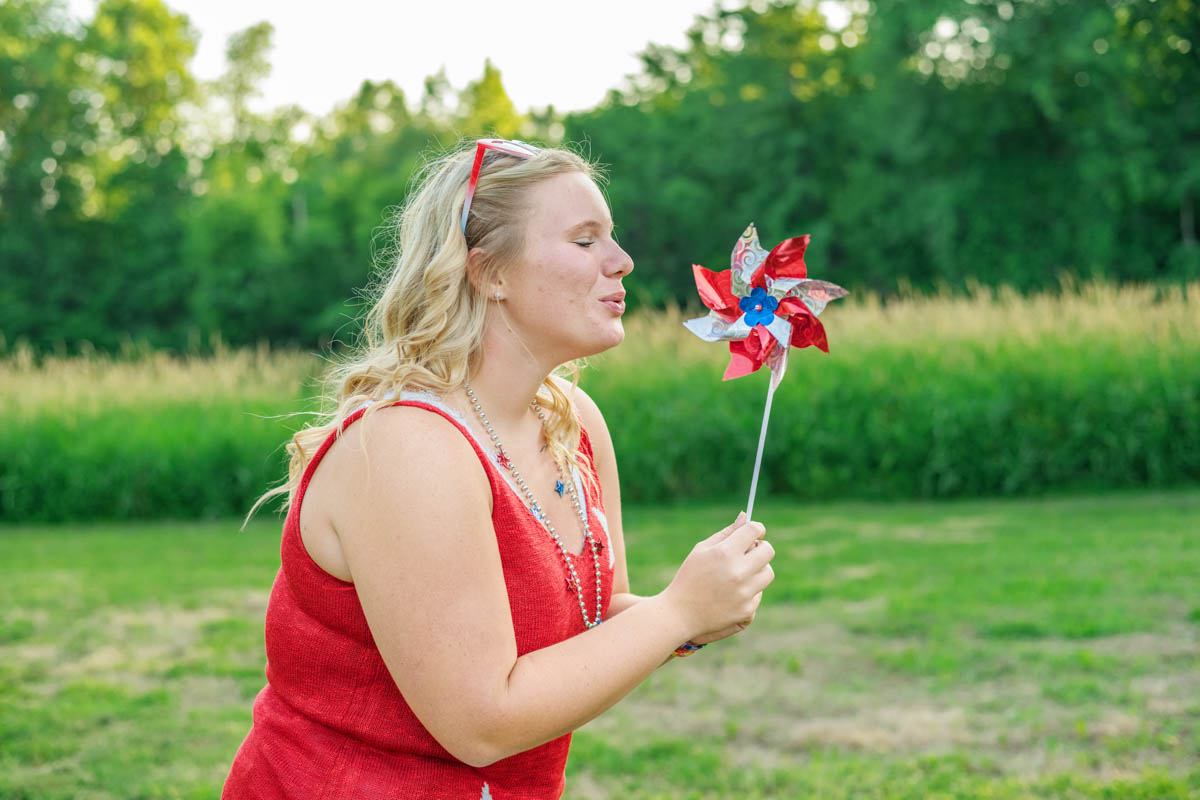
column 777, row 370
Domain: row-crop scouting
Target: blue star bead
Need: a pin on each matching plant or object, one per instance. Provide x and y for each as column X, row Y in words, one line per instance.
column 560, row 487
column 759, row 307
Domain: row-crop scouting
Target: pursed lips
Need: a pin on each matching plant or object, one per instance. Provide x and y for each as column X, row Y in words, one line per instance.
column 615, row 302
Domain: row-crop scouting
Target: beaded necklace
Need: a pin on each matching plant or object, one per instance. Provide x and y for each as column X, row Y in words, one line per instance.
column 504, row 461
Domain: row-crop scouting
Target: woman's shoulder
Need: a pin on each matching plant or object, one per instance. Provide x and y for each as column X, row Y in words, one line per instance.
column 391, row 460
column 410, row 441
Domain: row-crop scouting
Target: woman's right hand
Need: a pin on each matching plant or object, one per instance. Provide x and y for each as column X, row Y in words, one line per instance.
column 720, row 583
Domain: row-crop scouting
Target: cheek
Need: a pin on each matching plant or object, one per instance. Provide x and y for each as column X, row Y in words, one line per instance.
column 574, row 281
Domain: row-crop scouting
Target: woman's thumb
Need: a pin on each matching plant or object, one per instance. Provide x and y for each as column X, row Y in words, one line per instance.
column 725, row 532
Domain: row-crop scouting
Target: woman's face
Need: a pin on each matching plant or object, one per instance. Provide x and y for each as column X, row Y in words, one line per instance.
column 564, row 296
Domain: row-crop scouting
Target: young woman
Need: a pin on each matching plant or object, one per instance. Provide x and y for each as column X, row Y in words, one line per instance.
column 453, row 599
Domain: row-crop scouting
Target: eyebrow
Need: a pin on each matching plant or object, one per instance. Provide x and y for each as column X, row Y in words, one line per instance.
column 589, row 224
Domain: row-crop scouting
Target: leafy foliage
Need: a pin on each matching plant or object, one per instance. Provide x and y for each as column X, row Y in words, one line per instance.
column 138, row 205
column 923, row 143
column 927, row 143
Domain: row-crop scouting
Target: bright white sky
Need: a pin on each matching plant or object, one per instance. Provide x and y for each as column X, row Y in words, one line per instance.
column 564, row 52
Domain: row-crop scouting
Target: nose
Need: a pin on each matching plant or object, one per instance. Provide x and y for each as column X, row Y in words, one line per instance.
column 621, row 264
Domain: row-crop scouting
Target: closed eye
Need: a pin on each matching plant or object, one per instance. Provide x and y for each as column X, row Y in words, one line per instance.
column 585, row 244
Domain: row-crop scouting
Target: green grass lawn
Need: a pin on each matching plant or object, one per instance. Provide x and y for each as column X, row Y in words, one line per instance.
column 993, row 649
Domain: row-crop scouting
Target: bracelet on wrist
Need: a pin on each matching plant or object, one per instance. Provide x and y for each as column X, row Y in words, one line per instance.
column 687, row 648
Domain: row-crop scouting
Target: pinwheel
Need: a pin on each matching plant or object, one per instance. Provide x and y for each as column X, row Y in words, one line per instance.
column 763, row 305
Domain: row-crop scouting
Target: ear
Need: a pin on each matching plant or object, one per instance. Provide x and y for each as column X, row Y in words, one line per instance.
column 480, row 275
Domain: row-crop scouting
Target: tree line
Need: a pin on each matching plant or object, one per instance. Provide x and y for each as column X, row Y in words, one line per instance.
column 922, row 143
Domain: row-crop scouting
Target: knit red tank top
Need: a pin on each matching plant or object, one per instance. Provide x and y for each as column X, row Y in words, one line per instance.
column 331, row 723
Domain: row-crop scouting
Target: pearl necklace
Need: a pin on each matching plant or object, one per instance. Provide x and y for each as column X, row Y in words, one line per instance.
column 573, row 581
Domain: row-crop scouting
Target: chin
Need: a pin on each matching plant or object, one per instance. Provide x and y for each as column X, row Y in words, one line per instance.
column 609, row 339
column 617, row 335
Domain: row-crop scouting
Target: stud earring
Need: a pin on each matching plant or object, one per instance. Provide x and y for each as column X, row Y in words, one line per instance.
column 499, row 296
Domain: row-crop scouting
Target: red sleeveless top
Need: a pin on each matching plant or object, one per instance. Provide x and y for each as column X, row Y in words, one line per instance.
column 331, row 723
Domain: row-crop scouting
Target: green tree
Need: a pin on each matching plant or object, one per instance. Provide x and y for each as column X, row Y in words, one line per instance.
column 485, row 108
column 247, row 57
column 925, row 141
column 91, row 170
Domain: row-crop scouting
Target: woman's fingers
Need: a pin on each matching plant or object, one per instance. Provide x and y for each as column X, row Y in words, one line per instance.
column 754, row 606
column 760, row 553
column 761, row 580
column 743, row 538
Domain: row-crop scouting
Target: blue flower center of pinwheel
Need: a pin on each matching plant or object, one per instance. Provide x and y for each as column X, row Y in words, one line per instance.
column 759, row 307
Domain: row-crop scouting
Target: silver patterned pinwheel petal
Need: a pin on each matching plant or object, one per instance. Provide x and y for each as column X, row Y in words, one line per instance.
column 814, row 294
column 747, row 256
column 779, row 287
column 781, row 329
column 777, row 363
column 711, row 328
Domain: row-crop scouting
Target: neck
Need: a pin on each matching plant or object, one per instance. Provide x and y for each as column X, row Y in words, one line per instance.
column 508, row 377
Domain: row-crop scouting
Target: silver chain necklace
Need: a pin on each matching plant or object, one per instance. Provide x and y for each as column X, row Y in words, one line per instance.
column 504, row 461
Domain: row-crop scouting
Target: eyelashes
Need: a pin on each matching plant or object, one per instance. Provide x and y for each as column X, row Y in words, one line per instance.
column 612, row 234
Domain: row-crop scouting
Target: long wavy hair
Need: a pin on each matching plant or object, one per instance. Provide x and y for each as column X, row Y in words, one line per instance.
column 424, row 331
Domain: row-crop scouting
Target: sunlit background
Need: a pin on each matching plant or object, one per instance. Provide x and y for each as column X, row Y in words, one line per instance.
column 984, row 497
column 564, row 54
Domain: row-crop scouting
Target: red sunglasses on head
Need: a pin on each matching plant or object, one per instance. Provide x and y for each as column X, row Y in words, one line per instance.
column 510, row 147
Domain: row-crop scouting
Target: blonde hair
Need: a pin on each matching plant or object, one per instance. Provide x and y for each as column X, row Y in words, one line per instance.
column 424, row 330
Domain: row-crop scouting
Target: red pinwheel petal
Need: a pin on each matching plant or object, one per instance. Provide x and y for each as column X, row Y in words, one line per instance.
column 749, row 354
column 785, row 261
column 765, row 340
column 715, row 291
column 807, row 330
column 792, row 305
column 740, row 361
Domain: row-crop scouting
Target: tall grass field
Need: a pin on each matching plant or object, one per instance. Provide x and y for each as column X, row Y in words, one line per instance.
column 988, row 394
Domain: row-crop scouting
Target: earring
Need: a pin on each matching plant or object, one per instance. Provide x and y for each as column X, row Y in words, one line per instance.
column 499, row 296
